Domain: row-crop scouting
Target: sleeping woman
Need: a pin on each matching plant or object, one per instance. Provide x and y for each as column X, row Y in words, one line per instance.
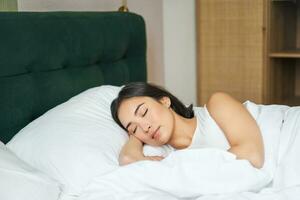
column 151, row 115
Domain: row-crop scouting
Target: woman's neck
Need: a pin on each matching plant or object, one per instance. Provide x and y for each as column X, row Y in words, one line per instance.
column 183, row 132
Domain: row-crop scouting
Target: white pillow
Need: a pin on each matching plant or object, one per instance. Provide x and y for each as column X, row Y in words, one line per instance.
column 18, row 180
column 74, row 141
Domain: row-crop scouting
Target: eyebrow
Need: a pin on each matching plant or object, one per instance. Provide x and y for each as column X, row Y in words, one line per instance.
column 135, row 112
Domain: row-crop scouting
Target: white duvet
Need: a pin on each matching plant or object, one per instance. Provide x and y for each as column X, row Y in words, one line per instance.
column 213, row 174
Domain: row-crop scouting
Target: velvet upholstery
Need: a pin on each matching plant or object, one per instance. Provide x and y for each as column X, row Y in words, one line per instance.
column 48, row 57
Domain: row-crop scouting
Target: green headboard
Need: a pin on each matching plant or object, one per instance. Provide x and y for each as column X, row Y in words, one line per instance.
column 48, row 57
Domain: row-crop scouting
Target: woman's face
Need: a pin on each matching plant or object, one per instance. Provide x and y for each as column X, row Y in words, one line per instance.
column 149, row 120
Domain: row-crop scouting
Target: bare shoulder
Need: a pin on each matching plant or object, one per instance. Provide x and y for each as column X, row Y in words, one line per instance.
column 220, row 102
column 239, row 127
column 232, row 117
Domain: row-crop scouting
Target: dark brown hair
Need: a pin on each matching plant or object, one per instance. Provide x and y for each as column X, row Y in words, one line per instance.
column 138, row 89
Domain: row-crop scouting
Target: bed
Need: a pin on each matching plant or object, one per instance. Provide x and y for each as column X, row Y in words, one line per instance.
column 46, row 58
column 59, row 71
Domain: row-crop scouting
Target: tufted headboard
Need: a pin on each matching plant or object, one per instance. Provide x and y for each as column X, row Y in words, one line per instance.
column 48, row 57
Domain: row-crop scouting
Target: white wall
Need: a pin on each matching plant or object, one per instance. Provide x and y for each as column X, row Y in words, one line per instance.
column 68, row 5
column 180, row 48
column 151, row 10
column 170, row 27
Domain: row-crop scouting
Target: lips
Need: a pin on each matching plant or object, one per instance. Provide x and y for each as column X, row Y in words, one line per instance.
column 155, row 134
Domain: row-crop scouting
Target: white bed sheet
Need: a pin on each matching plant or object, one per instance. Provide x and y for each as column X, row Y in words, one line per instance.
column 134, row 182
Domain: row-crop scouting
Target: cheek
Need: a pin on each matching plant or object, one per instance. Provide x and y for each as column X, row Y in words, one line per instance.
column 164, row 117
column 142, row 137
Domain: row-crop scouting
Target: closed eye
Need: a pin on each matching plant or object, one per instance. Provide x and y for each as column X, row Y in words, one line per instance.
column 134, row 130
column 145, row 112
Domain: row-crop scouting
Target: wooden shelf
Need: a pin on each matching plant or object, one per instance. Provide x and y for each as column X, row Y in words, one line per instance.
column 279, row 41
column 285, row 54
column 291, row 101
column 291, row 1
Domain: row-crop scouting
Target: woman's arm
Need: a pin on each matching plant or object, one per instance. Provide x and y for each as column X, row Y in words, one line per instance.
column 132, row 151
column 239, row 127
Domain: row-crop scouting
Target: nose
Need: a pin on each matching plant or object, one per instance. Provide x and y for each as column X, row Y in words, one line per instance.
column 146, row 127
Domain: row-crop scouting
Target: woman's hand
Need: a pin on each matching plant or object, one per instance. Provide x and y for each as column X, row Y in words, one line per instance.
column 128, row 159
column 132, row 151
column 154, row 158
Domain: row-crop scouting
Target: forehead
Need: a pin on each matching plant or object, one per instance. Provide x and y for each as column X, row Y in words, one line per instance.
column 131, row 103
column 128, row 106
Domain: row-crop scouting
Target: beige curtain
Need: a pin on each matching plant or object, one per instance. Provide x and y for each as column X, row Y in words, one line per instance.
column 8, row 5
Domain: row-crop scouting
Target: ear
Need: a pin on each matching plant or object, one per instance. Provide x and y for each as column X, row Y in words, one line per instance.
column 166, row 101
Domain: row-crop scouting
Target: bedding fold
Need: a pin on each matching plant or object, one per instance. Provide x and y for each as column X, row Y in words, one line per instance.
column 183, row 174
column 214, row 174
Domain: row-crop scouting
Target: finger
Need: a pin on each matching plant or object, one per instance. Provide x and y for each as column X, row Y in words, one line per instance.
column 157, row 158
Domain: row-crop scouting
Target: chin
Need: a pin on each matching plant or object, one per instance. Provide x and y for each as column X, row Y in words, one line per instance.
column 166, row 139
column 162, row 142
